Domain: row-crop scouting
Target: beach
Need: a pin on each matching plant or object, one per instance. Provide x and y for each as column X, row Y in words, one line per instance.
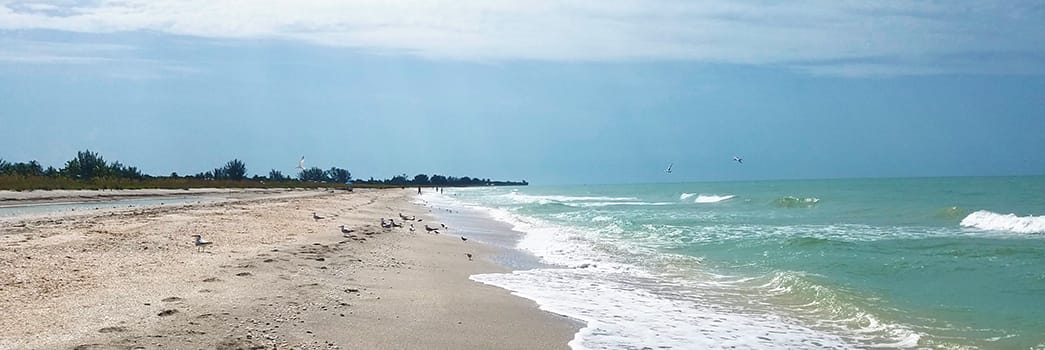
column 279, row 274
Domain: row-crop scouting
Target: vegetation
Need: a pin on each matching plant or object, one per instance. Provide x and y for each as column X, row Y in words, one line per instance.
column 88, row 170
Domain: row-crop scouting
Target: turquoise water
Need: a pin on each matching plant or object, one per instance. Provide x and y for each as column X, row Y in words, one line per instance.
column 893, row 263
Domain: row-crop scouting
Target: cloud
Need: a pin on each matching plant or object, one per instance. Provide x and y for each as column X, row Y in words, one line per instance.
column 809, row 35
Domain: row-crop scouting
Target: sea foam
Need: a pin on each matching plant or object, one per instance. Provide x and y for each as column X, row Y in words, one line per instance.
column 992, row 221
column 712, row 198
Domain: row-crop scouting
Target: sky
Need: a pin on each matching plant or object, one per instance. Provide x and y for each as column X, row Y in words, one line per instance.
column 550, row 91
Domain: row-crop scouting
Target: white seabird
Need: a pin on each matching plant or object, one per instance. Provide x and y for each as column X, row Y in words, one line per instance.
column 668, row 170
column 738, row 159
column 201, row 245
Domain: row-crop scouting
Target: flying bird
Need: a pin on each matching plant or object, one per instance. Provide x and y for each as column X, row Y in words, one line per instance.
column 301, row 163
column 668, row 170
column 738, row 159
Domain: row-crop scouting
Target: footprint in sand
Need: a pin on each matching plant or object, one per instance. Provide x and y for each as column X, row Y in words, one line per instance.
column 244, row 274
column 171, row 299
column 211, row 279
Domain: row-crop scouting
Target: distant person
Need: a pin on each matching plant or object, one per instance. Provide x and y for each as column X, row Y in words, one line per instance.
column 419, row 190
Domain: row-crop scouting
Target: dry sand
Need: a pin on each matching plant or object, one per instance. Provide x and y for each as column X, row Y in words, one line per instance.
column 274, row 278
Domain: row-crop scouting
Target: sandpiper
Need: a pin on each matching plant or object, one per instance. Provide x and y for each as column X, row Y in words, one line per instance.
column 316, row 217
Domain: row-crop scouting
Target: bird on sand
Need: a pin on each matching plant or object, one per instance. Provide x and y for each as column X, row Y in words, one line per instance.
column 345, row 230
column 316, row 217
column 738, row 159
column 469, row 255
column 463, row 238
column 201, row 245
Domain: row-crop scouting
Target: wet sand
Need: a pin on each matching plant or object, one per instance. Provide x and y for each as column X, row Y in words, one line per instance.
column 274, row 276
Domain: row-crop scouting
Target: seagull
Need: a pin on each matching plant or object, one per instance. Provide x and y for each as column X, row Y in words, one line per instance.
column 411, row 227
column 201, row 245
column 316, row 217
column 738, row 159
column 431, row 229
column 668, row 170
column 301, row 163
column 345, row 230
column 463, row 238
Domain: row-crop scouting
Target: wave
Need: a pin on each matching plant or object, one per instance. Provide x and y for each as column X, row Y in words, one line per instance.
column 711, row 198
column 686, row 196
column 528, row 199
column 986, row 220
column 795, row 202
column 606, row 204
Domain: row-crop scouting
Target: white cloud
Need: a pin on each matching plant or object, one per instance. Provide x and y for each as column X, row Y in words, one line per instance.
column 807, row 35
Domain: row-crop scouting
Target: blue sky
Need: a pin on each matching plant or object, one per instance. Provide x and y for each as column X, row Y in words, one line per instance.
column 547, row 91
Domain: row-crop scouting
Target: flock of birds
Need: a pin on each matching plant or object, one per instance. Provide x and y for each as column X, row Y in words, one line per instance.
column 735, row 159
column 201, row 244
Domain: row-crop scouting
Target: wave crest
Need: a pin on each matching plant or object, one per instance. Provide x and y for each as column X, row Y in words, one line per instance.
column 712, row 198
column 992, row 221
column 795, row 202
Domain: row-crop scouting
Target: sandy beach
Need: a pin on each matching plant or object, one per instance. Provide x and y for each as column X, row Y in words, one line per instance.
column 275, row 277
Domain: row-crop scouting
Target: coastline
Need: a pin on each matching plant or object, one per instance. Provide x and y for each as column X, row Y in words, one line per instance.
column 275, row 276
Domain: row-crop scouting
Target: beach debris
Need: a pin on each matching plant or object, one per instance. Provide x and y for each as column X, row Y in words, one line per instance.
column 201, row 244
column 165, row 313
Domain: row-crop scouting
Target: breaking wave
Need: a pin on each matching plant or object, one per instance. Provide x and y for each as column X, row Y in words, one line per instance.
column 711, row 198
column 795, row 202
column 991, row 221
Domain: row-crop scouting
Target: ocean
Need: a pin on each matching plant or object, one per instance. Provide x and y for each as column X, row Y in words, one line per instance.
column 948, row 263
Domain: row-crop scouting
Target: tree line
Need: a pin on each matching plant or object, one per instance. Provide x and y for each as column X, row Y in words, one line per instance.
column 89, row 170
column 440, row 181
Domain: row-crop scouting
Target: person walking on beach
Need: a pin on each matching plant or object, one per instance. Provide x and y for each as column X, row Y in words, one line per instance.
column 418, row 190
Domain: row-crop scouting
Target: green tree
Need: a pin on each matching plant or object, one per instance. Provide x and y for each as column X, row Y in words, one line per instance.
column 313, row 174
column 338, row 175
column 87, row 165
column 420, row 179
column 234, row 170
column 276, row 175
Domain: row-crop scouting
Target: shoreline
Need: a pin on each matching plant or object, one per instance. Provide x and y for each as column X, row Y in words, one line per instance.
column 274, row 277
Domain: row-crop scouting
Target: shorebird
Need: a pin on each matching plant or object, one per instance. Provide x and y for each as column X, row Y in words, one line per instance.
column 201, row 245
column 316, row 217
column 385, row 224
column 738, row 159
column 463, row 238
column 444, row 226
column 394, row 224
column 668, row 170
column 345, row 230
column 411, row 227
column 430, row 229
column 469, row 255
